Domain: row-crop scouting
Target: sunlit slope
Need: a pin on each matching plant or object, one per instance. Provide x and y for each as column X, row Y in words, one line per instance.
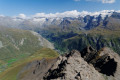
column 16, row 44
column 12, row 72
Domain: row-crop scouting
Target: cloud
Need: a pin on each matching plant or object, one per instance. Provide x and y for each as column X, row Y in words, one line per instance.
column 76, row 0
column 108, row 1
column 103, row 1
column 73, row 13
column 2, row 16
column 23, row 16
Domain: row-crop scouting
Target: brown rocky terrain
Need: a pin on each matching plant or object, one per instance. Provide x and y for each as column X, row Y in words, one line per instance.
column 35, row 70
column 88, row 64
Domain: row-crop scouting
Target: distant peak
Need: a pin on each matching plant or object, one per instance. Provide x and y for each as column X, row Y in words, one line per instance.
column 73, row 14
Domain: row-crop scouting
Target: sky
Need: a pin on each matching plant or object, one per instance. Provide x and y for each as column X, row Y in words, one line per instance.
column 30, row 7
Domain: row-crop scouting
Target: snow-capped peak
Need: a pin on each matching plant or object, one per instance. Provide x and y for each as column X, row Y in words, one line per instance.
column 73, row 14
column 43, row 17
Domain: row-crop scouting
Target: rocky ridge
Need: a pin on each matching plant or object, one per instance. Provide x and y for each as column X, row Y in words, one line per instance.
column 89, row 64
column 73, row 67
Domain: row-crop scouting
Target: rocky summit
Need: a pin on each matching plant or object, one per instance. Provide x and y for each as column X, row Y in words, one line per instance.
column 89, row 64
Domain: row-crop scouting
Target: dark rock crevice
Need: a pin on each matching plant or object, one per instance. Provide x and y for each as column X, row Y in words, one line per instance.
column 109, row 68
column 56, row 73
column 102, row 63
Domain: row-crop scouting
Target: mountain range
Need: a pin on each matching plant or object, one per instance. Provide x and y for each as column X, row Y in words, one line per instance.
column 101, row 28
column 29, row 46
column 42, row 19
column 76, row 33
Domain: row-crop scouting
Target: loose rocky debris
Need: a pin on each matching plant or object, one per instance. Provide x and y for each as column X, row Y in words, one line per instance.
column 35, row 70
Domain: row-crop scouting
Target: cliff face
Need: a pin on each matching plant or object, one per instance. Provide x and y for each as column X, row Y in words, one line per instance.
column 105, row 61
column 89, row 64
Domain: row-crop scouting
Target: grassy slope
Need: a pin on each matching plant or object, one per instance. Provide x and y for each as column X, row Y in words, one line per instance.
column 17, row 44
column 11, row 72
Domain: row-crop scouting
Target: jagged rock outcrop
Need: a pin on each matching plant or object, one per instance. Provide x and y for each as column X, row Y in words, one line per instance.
column 73, row 67
column 88, row 64
column 105, row 61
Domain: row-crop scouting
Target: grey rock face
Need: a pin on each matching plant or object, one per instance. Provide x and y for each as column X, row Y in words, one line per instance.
column 104, row 61
column 73, row 67
column 90, row 64
column 93, row 65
